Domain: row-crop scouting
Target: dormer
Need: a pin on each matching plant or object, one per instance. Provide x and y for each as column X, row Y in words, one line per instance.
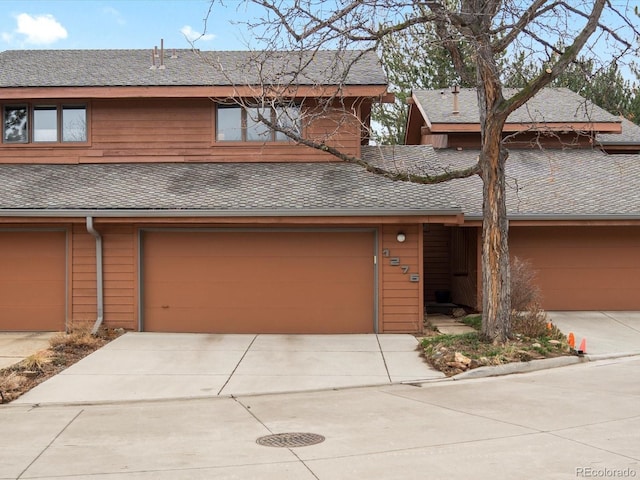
column 554, row 118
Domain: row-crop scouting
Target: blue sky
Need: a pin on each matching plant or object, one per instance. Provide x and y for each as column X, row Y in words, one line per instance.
column 81, row 24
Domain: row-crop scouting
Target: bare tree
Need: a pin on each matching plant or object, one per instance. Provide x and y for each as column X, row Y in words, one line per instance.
column 476, row 34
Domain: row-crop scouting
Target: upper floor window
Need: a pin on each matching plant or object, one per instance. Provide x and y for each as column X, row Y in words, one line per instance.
column 242, row 124
column 44, row 123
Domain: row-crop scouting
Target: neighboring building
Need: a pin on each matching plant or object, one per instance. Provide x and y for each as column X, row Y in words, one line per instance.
column 574, row 211
column 626, row 142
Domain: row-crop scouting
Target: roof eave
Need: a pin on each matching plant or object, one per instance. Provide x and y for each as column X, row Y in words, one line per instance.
column 154, row 213
column 591, row 127
column 189, row 91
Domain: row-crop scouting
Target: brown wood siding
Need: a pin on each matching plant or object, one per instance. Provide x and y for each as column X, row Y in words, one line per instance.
column 178, row 130
column 84, row 310
column 582, row 268
column 258, row 282
column 464, row 286
column 32, row 280
column 525, row 140
column 120, row 276
column 437, row 270
column 401, row 301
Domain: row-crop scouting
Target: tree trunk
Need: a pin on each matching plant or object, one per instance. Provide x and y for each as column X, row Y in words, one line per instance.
column 496, row 298
column 496, row 294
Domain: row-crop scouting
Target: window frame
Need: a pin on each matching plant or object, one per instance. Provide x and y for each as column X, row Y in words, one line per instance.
column 32, row 125
column 245, row 126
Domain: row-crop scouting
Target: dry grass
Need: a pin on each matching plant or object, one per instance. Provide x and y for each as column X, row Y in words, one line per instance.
column 65, row 349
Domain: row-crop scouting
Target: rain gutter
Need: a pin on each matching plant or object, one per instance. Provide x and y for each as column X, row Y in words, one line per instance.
column 99, row 280
column 561, row 217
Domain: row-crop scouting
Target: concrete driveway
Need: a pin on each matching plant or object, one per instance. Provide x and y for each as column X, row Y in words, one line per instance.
column 605, row 333
column 149, row 366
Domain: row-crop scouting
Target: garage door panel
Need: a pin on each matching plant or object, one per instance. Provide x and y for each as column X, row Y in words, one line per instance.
column 210, row 244
column 587, row 258
column 32, row 280
column 284, row 282
column 583, row 268
column 233, row 294
column 584, row 278
column 27, row 293
column 191, row 268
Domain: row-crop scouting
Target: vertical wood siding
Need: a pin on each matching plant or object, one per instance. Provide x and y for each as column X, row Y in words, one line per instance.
column 464, row 286
column 401, row 308
column 437, row 264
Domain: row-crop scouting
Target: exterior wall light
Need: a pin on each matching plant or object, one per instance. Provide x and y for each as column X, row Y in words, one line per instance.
column 401, row 237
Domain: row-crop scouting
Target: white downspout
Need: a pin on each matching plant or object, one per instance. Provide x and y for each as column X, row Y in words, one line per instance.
column 99, row 282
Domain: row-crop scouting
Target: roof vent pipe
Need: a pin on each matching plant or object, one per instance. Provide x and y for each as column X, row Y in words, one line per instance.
column 456, row 103
column 99, row 281
column 161, row 67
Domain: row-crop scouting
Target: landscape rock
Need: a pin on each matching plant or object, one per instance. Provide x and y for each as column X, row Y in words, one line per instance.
column 462, row 359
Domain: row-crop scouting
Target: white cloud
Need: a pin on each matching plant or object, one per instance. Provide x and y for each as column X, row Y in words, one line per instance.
column 115, row 14
column 192, row 35
column 40, row 29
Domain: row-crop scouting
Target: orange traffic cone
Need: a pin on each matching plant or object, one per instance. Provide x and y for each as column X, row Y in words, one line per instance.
column 583, row 346
column 571, row 340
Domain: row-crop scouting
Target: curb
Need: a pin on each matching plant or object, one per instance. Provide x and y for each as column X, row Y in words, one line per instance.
column 535, row 365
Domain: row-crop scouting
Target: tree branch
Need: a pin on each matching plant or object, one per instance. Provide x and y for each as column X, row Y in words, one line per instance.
column 396, row 176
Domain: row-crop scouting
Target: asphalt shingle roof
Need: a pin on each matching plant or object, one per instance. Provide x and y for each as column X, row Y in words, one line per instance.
column 630, row 135
column 569, row 183
column 553, row 105
column 556, row 183
column 217, row 188
column 81, row 68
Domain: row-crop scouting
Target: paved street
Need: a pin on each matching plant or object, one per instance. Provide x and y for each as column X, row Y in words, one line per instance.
column 579, row 421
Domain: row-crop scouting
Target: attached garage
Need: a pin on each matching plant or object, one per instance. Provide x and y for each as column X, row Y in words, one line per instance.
column 583, row 268
column 32, row 280
column 258, row 281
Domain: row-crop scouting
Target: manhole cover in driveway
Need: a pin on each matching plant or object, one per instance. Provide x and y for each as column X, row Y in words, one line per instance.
column 290, row 440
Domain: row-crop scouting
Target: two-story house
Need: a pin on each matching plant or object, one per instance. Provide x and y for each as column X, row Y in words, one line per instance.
column 136, row 192
column 573, row 201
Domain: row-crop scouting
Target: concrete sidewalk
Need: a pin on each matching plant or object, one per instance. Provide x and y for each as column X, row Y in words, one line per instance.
column 16, row 346
column 574, row 422
column 150, row 366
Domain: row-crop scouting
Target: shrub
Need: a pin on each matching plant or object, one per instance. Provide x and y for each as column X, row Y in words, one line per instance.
column 524, row 291
column 527, row 316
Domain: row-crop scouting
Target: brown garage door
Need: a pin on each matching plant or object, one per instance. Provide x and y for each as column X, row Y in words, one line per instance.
column 258, row 282
column 32, row 281
column 583, row 268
